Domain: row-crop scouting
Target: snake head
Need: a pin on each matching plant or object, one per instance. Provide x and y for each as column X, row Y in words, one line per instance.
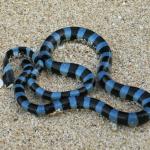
column 8, row 77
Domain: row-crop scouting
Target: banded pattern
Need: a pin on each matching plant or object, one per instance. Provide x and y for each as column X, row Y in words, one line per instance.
column 74, row 102
column 70, row 70
column 8, row 74
column 75, row 98
column 105, row 55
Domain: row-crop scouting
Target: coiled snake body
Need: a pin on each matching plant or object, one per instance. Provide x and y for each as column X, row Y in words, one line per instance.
column 75, row 99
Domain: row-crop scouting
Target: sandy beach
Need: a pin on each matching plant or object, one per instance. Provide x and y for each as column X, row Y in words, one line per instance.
column 124, row 24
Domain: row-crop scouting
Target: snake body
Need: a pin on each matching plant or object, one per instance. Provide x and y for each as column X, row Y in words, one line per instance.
column 75, row 99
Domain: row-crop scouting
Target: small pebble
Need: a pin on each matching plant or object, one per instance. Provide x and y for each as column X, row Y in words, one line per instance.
column 1, row 83
column 119, row 17
column 61, row 46
column 59, row 110
column 114, row 126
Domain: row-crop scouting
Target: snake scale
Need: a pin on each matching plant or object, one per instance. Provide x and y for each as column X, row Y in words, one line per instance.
column 34, row 63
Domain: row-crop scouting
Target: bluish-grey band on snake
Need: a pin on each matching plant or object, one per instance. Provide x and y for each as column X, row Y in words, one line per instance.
column 60, row 101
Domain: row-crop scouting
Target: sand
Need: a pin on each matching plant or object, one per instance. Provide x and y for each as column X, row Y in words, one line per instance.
column 126, row 27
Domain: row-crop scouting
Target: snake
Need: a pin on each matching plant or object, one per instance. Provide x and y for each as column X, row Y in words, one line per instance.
column 74, row 99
